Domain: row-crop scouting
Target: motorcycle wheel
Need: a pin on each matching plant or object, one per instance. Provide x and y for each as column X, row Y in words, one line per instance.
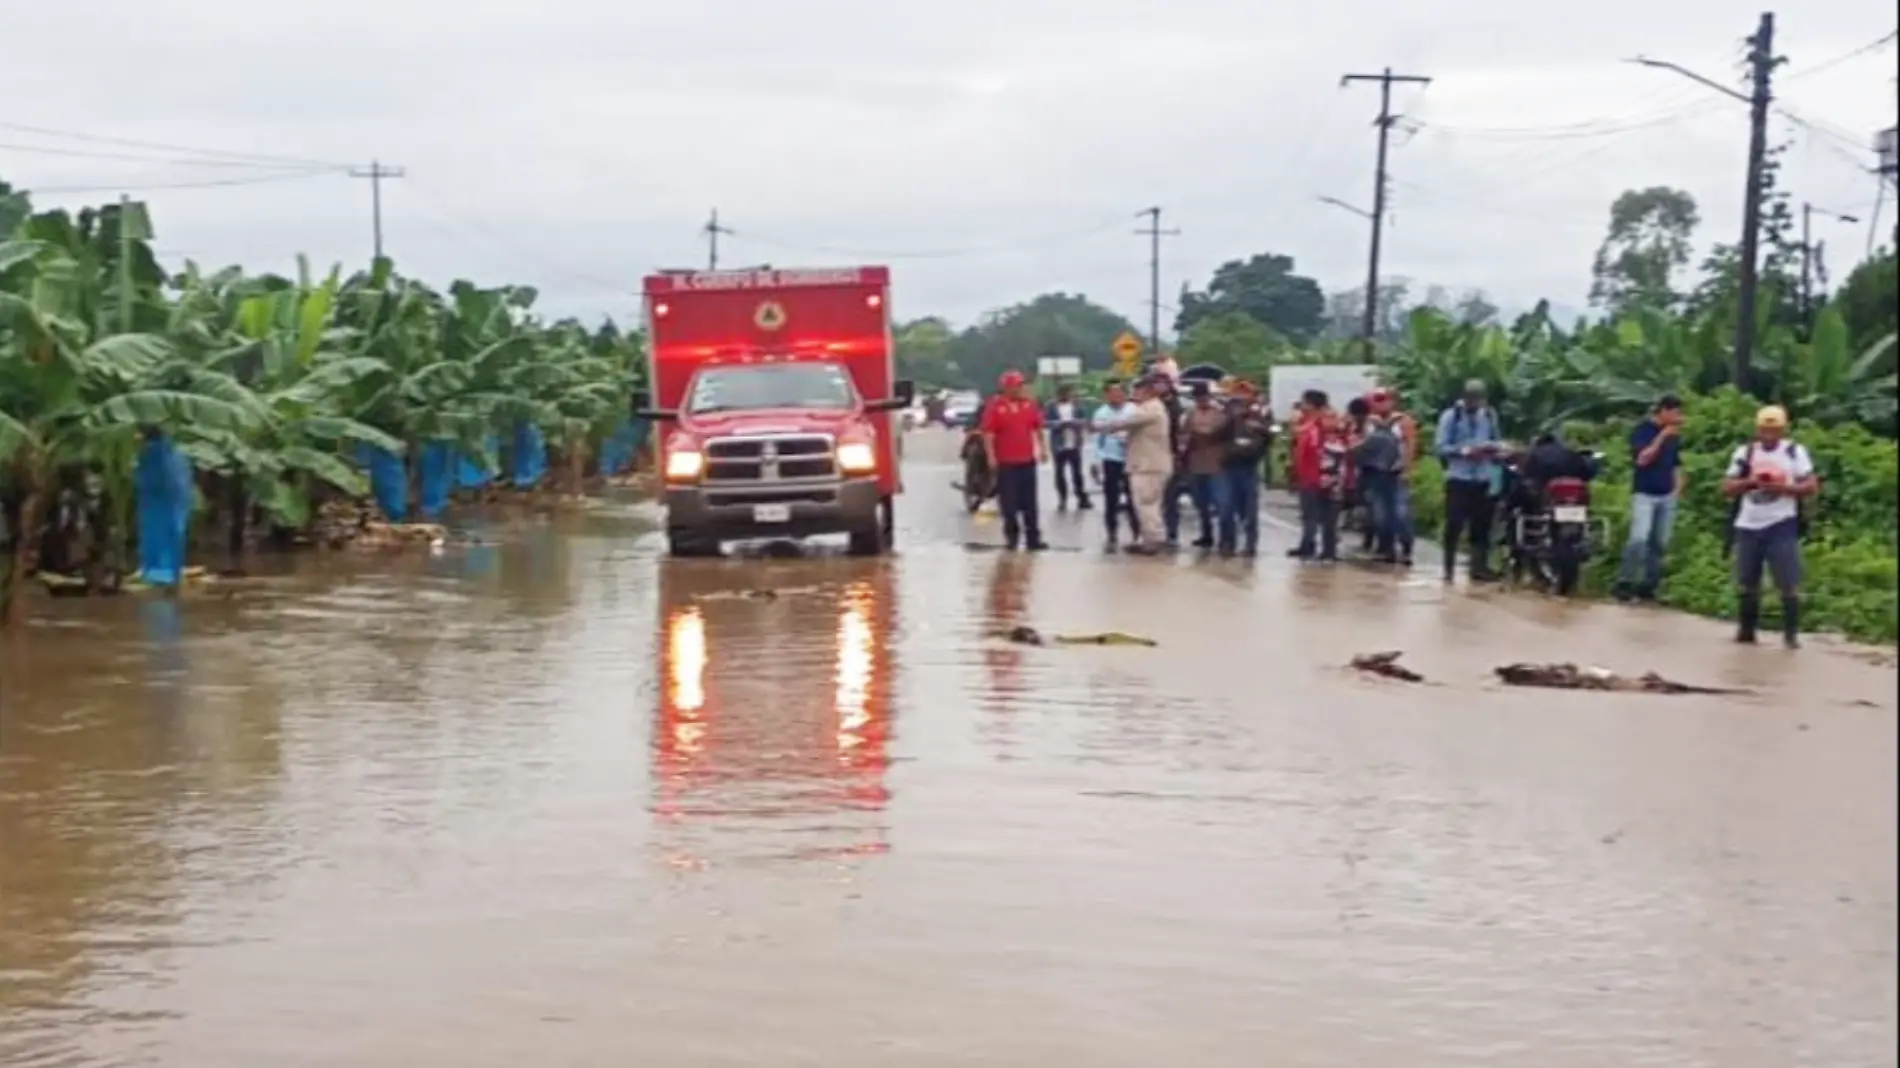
column 1565, row 575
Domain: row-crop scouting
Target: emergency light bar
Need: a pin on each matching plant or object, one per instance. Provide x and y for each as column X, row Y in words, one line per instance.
column 702, row 281
column 662, row 309
column 804, row 350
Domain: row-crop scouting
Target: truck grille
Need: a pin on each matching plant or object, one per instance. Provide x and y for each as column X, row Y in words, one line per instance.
column 769, row 459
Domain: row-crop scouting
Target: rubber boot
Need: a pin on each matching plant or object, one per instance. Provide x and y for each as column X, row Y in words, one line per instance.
column 1791, row 622
column 1750, row 618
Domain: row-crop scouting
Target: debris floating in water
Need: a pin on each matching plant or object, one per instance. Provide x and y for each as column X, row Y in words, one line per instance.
column 1385, row 665
column 755, row 593
column 1021, row 635
column 1107, row 637
column 1572, row 677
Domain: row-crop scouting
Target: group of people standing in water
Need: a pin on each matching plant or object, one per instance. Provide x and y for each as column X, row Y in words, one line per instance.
column 1154, row 451
column 1160, row 449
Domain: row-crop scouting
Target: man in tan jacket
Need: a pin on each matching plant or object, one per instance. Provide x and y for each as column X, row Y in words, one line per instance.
column 1150, row 461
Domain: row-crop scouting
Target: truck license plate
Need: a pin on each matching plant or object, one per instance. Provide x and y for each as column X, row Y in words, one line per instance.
column 771, row 513
column 1570, row 513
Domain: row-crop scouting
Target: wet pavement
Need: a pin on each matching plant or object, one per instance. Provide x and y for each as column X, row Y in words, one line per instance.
column 557, row 801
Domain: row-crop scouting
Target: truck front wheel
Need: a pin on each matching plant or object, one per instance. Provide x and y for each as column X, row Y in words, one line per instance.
column 875, row 540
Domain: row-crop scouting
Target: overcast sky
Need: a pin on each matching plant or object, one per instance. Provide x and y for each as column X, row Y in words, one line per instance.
column 987, row 150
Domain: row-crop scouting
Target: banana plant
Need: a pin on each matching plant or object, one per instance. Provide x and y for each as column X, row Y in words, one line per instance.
column 73, row 397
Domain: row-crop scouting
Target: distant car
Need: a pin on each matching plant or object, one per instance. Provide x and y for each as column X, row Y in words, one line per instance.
column 960, row 407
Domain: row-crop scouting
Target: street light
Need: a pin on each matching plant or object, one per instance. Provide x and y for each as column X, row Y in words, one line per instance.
column 1338, row 203
column 1811, row 255
column 1761, row 61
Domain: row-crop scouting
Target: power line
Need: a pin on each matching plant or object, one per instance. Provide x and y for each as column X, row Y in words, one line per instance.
column 186, row 161
column 1154, row 233
column 450, row 220
column 999, row 248
column 254, row 157
column 1828, row 64
column 1818, row 126
column 145, row 187
column 1580, row 133
column 1385, row 79
column 1601, row 125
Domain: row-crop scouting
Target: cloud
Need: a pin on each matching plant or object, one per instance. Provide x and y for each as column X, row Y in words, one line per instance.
column 990, row 150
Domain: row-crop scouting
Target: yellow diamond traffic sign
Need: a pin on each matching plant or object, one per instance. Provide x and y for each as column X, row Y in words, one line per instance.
column 1127, row 347
column 770, row 316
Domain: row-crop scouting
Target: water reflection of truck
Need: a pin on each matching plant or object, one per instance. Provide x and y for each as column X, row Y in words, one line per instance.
column 776, row 388
column 774, row 715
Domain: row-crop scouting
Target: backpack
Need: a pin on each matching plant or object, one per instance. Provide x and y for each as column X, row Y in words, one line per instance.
column 1735, row 505
column 1460, row 417
column 1383, row 448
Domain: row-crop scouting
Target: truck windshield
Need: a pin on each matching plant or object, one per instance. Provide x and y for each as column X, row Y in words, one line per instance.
column 809, row 385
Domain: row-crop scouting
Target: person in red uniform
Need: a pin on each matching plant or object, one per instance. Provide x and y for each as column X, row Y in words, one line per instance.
column 1319, row 450
column 1013, row 437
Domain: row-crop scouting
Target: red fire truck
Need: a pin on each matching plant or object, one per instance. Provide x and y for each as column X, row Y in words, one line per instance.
column 775, row 390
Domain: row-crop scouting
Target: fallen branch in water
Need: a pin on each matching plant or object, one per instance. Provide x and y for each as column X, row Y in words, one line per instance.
column 1385, row 665
column 1572, row 677
column 1021, row 635
column 756, row 593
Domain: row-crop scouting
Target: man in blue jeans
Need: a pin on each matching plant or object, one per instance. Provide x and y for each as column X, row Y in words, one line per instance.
column 1207, row 428
column 1247, row 446
column 1469, row 445
column 1655, row 490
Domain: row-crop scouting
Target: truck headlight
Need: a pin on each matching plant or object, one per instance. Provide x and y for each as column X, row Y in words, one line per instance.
column 857, row 458
column 684, row 465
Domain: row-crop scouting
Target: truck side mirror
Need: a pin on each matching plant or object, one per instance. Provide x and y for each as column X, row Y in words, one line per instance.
column 641, row 407
column 903, row 393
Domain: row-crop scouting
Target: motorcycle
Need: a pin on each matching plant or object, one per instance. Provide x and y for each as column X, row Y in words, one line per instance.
column 979, row 481
column 1550, row 531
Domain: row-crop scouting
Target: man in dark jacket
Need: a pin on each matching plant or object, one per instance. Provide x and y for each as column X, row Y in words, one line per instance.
column 1177, row 446
column 1247, row 448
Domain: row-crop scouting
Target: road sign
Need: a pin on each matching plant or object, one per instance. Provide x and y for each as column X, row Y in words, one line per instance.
column 1058, row 366
column 1127, row 347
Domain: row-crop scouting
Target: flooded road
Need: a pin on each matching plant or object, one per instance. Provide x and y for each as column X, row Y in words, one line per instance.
column 559, row 802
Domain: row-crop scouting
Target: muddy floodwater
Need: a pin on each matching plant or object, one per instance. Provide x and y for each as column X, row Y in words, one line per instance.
column 556, row 801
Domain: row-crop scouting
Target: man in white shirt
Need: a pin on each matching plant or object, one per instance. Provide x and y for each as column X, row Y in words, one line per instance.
column 1767, row 480
column 1067, row 422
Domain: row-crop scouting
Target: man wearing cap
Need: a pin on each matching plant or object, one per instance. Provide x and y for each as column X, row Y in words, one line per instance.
column 1767, row 479
column 1014, row 442
column 1656, row 486
column 1252, row 439
column 1207, row 430
column 1386, row 450
column 1150, row 459
column 1469, row 445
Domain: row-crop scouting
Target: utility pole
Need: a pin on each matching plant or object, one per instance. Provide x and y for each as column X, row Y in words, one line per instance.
column 1811, row 258
column 1385, row 79
column 1154, row 233
column 1762, row 64
column 376, row 172
column 1886, row 172
column 1761, row 61
column 712, row 230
